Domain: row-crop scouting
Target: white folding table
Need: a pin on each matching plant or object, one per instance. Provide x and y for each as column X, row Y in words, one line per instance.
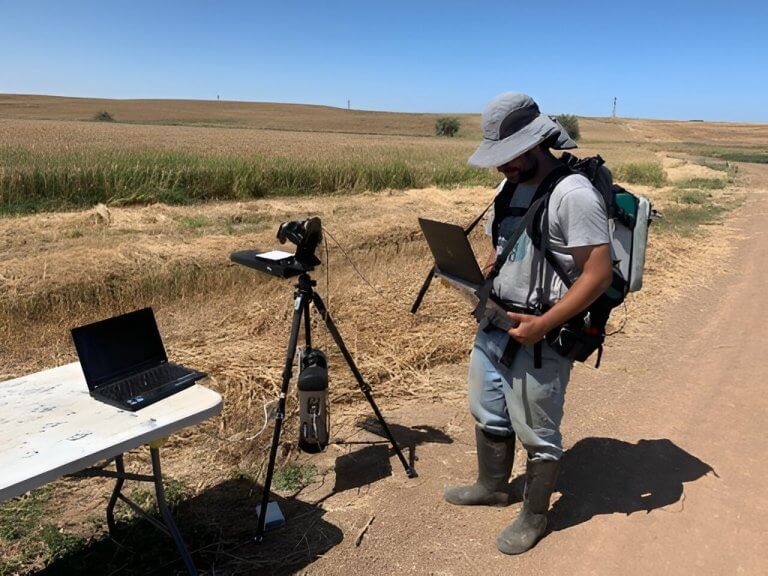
column 50, row 427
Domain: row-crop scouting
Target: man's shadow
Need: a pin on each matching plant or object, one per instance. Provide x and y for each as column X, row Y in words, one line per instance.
column 606, row 476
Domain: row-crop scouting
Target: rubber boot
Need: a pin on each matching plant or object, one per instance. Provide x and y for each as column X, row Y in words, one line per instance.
column 495, row 456
column 530, row 525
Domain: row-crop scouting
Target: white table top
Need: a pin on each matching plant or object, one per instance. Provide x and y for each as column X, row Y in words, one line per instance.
column 50, row 426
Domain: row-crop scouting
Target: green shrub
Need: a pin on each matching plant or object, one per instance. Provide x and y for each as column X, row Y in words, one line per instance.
column 193, row 221
column 693, row 197
column 756, row 156
column 61, row 544
column 648, row 173
column 571, row 125
column 294, row 476
column 103, row 116
column 702, row 183
column 447, row 126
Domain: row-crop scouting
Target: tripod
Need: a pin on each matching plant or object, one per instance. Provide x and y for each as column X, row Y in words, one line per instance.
column 303, row 296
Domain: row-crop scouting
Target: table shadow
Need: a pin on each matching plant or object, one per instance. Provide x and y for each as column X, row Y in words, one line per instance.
column 218, row 526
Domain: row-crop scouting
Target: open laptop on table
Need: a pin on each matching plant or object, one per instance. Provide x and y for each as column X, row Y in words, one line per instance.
column 125, row 363
column 455, row 261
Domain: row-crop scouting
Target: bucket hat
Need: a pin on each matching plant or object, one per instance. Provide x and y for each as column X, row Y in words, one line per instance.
column 512, row 125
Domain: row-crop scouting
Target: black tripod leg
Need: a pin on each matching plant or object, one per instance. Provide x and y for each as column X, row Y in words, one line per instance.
column 298, row 311
column 423, row 291
column 364, row 387
column 307, row 326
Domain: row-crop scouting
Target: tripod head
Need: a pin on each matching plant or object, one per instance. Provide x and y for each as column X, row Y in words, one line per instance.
column 306, row 234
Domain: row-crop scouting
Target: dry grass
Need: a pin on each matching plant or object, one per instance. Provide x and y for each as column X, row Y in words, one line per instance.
column 61, row 270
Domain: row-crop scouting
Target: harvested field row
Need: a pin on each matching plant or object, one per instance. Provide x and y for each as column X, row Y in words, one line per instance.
column 65, row 269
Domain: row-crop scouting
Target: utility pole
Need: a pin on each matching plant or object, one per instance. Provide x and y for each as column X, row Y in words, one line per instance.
column 614, row 106
column 348, row 104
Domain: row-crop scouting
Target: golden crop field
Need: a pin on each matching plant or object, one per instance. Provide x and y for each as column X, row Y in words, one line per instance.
column 54, row 156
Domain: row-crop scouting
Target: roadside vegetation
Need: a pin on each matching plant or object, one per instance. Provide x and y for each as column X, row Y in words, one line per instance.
column 647, row 173
column 697, row 202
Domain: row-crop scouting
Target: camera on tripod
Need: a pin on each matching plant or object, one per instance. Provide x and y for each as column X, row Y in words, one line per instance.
column 313, row 374
column 306, row 234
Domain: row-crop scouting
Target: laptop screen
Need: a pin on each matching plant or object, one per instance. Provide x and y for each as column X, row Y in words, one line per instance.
column 119, row 346
column 451, row 249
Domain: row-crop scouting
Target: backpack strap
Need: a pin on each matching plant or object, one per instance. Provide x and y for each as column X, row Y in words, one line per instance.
column 501, row 209
column 539, row 199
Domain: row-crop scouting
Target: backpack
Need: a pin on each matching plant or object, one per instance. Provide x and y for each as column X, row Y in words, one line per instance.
column 628, row 217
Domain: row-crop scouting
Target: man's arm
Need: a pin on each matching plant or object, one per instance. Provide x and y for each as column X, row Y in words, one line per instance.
column 595, row 278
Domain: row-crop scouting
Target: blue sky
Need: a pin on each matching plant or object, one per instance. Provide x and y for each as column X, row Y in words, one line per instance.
column 673, row 59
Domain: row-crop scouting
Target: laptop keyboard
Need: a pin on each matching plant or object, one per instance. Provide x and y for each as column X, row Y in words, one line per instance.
column 140, row 384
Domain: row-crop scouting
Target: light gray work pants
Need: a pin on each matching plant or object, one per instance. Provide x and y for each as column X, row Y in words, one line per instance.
column 521, row 399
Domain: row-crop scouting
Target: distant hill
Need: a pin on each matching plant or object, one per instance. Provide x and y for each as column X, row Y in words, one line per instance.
column 273, row 116
column 312, row 118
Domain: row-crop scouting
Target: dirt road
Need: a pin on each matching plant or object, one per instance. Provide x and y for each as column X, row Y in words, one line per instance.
column 666, row 466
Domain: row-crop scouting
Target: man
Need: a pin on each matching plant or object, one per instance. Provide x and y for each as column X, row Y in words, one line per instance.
column 510, row 393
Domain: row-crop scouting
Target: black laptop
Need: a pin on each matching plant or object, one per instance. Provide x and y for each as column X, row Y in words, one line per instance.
column 452, row 252
column 125, row 364
column 455, row 261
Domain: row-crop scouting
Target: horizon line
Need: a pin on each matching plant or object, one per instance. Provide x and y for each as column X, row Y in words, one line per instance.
column 284, row 103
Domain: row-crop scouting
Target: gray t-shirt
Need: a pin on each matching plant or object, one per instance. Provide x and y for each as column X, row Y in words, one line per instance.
column 577, row 217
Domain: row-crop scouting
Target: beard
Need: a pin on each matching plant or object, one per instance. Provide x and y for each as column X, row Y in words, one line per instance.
column 529, row 173
column 526, row 172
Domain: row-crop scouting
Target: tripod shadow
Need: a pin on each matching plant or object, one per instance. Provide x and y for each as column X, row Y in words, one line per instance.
column 405, row 436
column 218, row 526
column 608, row 476
column 372, row 463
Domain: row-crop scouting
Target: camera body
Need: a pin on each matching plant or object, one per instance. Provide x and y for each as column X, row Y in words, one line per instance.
column 306, row 234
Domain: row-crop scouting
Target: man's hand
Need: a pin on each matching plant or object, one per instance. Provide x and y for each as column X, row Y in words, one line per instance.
column 595, row 263
column 529, row 330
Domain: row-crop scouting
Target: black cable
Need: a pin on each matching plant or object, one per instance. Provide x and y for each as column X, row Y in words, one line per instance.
column 394, row 303
column 327, row 276
column 354, row 266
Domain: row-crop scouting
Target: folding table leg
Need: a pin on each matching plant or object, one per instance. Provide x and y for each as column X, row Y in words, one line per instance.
column 165, row 512
column 119, row 466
